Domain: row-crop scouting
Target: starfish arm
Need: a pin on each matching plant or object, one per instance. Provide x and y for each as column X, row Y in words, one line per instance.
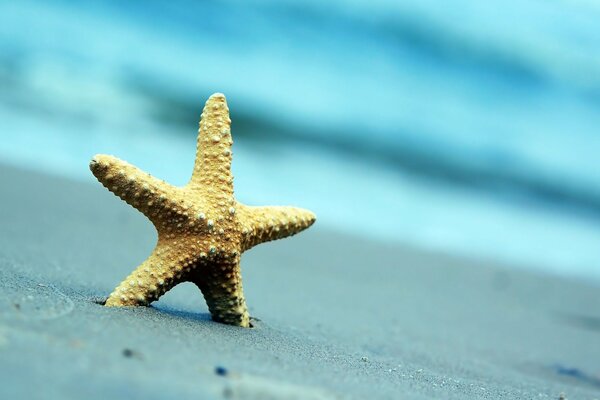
column 160, row 272
column 212, row 168
column 153, row 197
column 221, row 285
column 262, row 224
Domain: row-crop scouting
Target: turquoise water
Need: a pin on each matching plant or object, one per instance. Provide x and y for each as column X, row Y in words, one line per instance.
column 469, row 129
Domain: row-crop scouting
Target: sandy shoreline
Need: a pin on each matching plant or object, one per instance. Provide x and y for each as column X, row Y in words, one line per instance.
column 339, row 317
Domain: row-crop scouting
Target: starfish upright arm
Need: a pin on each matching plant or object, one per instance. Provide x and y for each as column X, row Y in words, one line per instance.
column 212, row 168
column 263, row 224
column 155, row 198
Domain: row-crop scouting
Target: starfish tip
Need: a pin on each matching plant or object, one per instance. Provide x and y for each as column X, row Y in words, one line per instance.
column 216, row 96
column 308, row 216
column 100, row 160
column 97, row 161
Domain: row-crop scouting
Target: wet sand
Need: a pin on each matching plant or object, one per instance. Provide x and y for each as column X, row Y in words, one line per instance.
column 337, row 316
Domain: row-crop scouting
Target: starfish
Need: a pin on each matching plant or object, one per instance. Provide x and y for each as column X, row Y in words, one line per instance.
column 202, row 229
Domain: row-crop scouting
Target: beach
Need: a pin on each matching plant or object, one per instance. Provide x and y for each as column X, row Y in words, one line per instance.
column 336, row 316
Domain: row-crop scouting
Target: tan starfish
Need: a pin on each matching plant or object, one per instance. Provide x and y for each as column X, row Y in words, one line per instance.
column 202, row 229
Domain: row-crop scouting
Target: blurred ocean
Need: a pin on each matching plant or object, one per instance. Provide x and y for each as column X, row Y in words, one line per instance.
column 463, row 127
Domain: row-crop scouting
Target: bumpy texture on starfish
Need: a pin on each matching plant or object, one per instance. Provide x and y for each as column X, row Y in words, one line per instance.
column 202, row 229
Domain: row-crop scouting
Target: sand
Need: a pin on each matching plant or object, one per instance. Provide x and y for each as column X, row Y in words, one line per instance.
column 338, row 316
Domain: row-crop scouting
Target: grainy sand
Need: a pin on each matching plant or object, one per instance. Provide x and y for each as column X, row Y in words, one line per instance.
column 339, row 317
